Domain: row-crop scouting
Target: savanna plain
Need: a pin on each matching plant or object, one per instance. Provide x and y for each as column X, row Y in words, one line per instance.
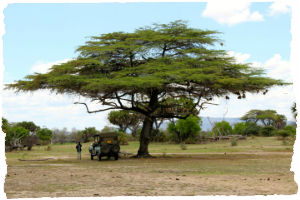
column 256, row 166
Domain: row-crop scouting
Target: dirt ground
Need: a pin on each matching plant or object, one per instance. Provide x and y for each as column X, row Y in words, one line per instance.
column 168, row 174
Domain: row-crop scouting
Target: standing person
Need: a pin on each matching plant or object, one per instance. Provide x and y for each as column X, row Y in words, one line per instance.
column 78, row 148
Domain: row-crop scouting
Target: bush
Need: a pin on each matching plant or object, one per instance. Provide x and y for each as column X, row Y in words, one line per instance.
column 183, row 146
column 283, row 133
column 252, row 129
column 267, row 131
column 159, row 136
column 185, row 128
column 291, row 129
column 239, row 128
column 15, row 136
column 44, row 134
column 123, row 138
column 234, row 141
column 222, row 128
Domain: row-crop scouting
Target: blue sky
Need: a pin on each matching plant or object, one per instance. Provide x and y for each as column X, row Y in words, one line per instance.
column 39, row 35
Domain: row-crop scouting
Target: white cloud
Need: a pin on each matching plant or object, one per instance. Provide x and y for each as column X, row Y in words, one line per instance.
column 43, row 67
column 51, row 110
column 279, row 7
column 275, row 67
column 278, row 68
column 231, row 12
column 240, row 57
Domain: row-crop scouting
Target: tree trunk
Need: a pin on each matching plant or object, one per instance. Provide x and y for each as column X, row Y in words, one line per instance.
column 145, row 138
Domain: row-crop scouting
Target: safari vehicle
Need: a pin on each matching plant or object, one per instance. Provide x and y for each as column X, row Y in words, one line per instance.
column 105, row 144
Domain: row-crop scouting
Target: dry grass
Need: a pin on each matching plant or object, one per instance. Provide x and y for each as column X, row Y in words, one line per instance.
column 258, row 166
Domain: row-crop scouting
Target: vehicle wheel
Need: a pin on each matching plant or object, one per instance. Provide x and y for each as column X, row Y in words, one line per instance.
column 116, row 148
column 92, row 157
column 105, row 149
column 116, row 156
column 99, row 157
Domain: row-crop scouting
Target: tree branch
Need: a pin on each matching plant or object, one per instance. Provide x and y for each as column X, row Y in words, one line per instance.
column 95, row 111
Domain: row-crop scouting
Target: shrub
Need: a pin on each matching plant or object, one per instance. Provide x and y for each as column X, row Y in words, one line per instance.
column 234, row 141
column 252, row 129
column 291, row 129
column 123, row 138
column 44, row 134
column 267, row 131
column 222, row 128
column 185, row 128
column 283, row 133
column 183, row 146
column 239, row 128
column 15, row 136
column 158, row 136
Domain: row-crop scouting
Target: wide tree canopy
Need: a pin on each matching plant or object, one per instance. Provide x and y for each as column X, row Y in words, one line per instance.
column 266, row 118
column 154, row 71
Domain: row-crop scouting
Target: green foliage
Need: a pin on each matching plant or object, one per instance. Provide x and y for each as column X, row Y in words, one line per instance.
column 15, row 136
column 5, row 125
column 239, row 128
column 123, row 138
column 266, row 118
column 30, row 126
column 87, row 133
column 267, row 131
column 185, row 128
column 283, row 133
column 252, row 129
column 44, row 134
column 234, row 141
column 108, row 129
column 222, row 128
column 125, row 119
column 291, row 129
column 159, row 136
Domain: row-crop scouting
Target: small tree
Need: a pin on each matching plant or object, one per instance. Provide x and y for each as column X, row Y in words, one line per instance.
column 222, row 128
column 44, row 135
column 108, row 129
column 239, row 128
column 87, row 133
column 15, row 136
column 30, row 126
column 267, row 131
column 252, row 128
column 125, row 119
column 5, row 125
column 266, row 118
column 185, row 128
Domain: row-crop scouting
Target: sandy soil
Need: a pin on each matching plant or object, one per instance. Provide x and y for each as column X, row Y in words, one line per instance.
column 68, row 177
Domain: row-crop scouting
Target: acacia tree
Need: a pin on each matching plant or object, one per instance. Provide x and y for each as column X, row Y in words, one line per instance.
column 266, row 117
column 155, row 71
column 126, row 120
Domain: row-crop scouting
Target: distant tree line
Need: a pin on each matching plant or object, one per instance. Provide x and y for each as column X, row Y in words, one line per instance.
column 128, row 124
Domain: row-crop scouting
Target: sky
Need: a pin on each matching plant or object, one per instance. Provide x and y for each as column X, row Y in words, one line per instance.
column 38, row 36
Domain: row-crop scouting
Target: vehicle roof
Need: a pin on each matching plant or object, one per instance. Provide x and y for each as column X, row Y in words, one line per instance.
column 106, row 134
